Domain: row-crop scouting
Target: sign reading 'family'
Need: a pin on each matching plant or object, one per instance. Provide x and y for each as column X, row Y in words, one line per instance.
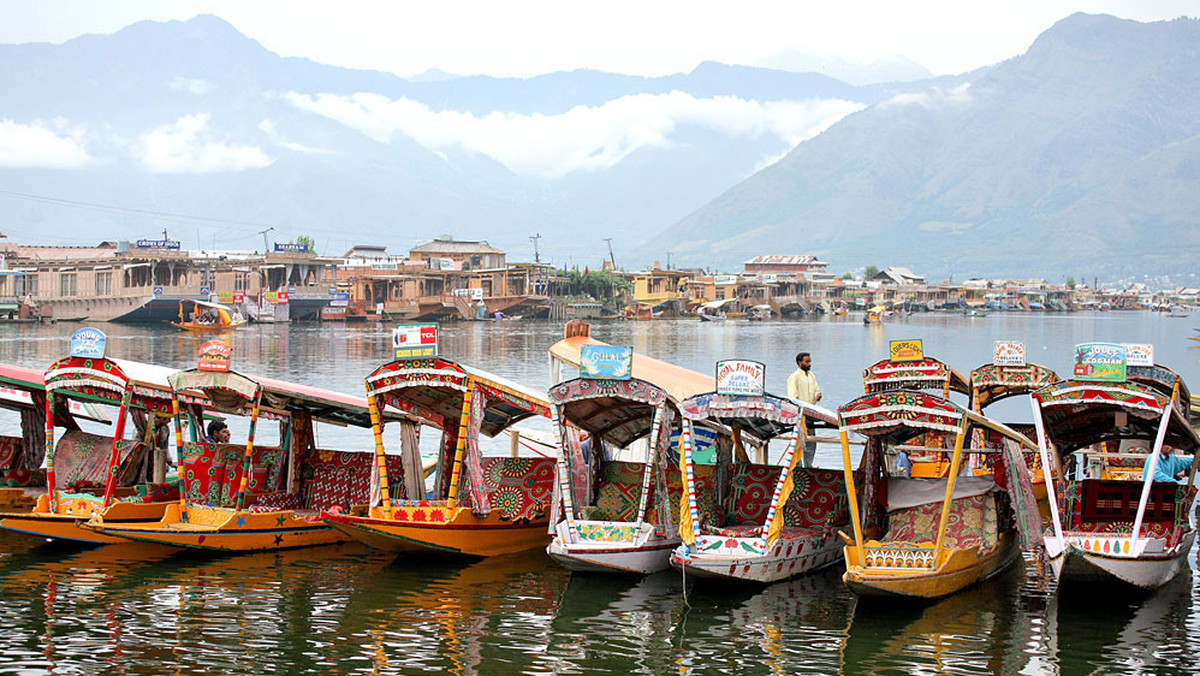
column 906, row 350
column 740, row 377
column 88, row 343
column 415, row 341
column 1100, row 361
column 605, row 362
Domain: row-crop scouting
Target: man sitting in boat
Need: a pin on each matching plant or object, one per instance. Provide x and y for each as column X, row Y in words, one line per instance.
column 1171, row 468
column 218, row 432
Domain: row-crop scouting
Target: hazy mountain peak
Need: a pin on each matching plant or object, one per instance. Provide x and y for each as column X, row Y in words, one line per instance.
column 891, row 69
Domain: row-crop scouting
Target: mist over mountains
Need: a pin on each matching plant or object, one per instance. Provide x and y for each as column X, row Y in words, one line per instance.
column 1078, row 156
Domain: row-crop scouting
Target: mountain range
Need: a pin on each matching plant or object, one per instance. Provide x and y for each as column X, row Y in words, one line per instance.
column 1077, row 157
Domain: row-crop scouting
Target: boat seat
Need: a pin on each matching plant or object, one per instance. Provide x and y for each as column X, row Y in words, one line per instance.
column 1091, row 504
column 520, row 489
column 618, row 492
column 343, row 478
column 9, row 448
column 972, row 522
column 214, row 472
column 81, row 460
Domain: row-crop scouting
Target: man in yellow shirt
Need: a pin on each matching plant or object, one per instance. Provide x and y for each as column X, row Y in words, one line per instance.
column 802, row 386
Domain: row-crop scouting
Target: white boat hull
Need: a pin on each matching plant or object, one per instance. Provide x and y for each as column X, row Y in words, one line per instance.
column 1079, row 562
column 645, row 553
column 785, row 559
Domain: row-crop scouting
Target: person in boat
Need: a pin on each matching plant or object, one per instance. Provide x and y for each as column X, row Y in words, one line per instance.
column 802, row 386
column 1171, row 468
column 218, row 432
column 904, row 464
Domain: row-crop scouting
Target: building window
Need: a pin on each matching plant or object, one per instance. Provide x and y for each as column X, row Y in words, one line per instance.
column 103, row 283
column 27, row 285
column 720, row 294
column 66, row 284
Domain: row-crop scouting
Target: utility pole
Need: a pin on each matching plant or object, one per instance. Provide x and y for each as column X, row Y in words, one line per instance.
column 668, row 260
column 534, row 238
column 264, row 234
column 612, row 260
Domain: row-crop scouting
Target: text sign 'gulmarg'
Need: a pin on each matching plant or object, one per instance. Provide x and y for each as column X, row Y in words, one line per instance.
column 415, row 341
column 605, row 362
column 88, row 343
column 215, row 356
column 1008, row 353
column 906, row 350
column 1100, row 361
column 741, row 377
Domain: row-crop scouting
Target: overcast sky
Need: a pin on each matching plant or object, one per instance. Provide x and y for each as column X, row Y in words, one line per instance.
column 529, row 37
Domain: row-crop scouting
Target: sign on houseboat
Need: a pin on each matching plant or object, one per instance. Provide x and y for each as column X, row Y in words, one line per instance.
column 415, row 341
column 906, row 350
column 291, row 248
column 1139, row 354
column 1100, row 361
column 1008, row 353
column 158, row 244
column 741, row 377
column 88, row 343
column 605, row 362
column 215, row 356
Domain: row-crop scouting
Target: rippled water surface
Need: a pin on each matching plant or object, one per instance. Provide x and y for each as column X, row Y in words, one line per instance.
column 145, row 610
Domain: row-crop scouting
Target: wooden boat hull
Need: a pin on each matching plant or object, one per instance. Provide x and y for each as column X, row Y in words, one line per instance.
column 206, row 328
column 461, row 532
column 961, row 569
column 225, row 529
column 781, row 561
column 1080, row 564
column 68, row 524
column 642, row 551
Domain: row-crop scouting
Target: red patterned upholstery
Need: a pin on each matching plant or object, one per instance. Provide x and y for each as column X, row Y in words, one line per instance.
column 967, row 525
column 343, row 478
column 25, row 477
column 521, row 488
column 81, row 460
column 751, row 488
column 818, row 500
column 214, row 471
column 9, row 446
column 272, row 502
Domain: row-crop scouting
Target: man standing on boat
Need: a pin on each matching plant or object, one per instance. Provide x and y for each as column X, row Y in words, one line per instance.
column 1171, row 468
column 802, row 386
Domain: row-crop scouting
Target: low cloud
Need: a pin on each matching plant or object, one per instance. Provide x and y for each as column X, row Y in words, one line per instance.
column 932, row 98
column 581, row 139
column 187, row 147
column 192, row 86
column 56, row 145
column 268, row 127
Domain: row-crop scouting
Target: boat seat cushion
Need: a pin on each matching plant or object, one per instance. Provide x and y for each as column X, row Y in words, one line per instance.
column 1091, row 503
column 81, row 459
column 520, row 488
column 9, row 448
column 343, row 478
column 214, row 471
column 276, row 501
column 818, row 500
column 751, row 488
column 972, row 522
column 618, row 491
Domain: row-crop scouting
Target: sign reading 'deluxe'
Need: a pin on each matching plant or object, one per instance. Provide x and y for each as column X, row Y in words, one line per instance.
column 741, row 377
column 1008, row 353
column 1139, row 354
column 88, row 343
column 215, row 356
column 605, row 362
column 415, row 341
column 1099, row 361
column 906, row 350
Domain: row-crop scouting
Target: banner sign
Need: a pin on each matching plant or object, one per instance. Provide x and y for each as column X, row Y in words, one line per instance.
column 88, row 343
column 415, row 341
column 1100, row 361
column 725, row 279
column 385, row 266
column 341, row 299
column 741, row 377
column 473, row 294
column 1139, row 354
column 906, row 350
column 1008, row 353
column 239, row 298
column 215, row 355
column 605, row 362
column 168, row 244
column 291, row 248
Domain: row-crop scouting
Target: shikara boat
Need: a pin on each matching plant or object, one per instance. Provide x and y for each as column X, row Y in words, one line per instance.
column 246, row 498
column 119, row 479
column 1129, row 529
column 748, row 519
column 480, row 506
column 618, row 506
column 197, row 315
column 940, row 534
column 993, row 382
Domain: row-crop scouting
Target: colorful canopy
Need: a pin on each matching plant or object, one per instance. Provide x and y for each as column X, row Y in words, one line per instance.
column 1076, row 414
column 923, row 374
column 991, row 383
column 764, row 417
column 619, row 411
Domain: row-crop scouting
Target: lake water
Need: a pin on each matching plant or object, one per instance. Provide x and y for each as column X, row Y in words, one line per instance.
column 143, row 610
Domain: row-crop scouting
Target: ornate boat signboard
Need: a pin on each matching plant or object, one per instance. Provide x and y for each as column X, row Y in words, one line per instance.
column 906, row 350
column 1100, row 362
column 1008, row 353
column 88, row 343
column 415, row 341
column 741, row 377
column 606, row 362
